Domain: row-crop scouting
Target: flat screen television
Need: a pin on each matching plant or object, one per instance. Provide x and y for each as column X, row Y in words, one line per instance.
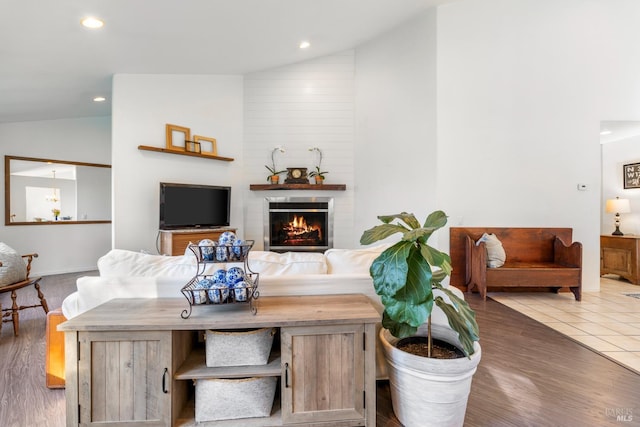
column 194, row 206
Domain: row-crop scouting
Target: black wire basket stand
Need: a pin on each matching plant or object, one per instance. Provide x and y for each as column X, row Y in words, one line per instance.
column 207, row 255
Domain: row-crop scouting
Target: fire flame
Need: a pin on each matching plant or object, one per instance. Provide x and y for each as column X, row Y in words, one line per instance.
column 299, row 227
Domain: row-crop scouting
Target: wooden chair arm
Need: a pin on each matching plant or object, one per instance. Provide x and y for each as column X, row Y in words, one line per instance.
column 570, row 256
column 29, row 258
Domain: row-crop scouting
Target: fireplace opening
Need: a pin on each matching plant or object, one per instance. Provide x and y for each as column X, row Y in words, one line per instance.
column 298, row 224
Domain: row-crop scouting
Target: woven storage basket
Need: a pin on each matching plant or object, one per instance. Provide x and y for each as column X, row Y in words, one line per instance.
column 224, row 399
column 238, row 348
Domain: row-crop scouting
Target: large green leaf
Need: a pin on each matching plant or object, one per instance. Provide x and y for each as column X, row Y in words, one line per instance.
column 411, row 305
column 380, row 232
column 389, row 270
column 436, row 258
column 421, row 233
column 397, row 329
column 437, row 219
column 407, row 218
column 418, row 282
column 410, row 313
column 461, row 318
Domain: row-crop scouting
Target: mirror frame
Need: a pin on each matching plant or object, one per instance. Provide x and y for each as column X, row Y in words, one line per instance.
column 7, row 190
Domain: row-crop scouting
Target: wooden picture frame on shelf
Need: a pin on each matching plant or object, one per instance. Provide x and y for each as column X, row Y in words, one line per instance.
column 207, row 141
column 177, row 135
column 631, row 175
column 192, row 147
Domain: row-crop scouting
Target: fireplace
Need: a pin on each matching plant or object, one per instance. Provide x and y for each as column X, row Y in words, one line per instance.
column 298, row 224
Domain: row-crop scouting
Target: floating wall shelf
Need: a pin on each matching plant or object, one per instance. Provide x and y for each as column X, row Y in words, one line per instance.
column 317, row 187
column 184, row 153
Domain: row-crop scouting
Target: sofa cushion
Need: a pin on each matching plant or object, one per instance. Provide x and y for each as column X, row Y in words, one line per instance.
column 352, row 261
column 120, row 262
column 273, row 263
column 13, row 268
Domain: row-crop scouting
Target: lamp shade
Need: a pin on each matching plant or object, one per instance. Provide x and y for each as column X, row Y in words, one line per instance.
column 617, row 206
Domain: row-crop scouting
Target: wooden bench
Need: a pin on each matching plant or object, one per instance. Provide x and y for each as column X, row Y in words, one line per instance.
column 536, row 258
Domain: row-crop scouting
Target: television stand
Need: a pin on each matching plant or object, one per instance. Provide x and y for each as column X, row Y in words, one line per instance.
column 174, row 242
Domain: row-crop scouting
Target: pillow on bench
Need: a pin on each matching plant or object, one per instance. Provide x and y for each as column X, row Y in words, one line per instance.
column 495, row 252
column 12, row 267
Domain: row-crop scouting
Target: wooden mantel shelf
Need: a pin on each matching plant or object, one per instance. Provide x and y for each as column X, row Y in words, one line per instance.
column 184, row 153
column 317, row 187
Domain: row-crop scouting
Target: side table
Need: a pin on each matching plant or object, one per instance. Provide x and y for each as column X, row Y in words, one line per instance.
column 619, row 255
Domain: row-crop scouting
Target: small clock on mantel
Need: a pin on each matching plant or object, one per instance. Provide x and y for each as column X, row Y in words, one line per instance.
column 296, row 176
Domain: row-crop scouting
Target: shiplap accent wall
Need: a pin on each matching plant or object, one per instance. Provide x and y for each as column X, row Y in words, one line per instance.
column 300, row 106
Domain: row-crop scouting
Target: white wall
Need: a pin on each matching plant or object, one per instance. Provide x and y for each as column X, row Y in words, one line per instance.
column 299, row 106
column 396, row 146
column 614, row 156
column 61, row 248
column 210, row 106
column 522, row 88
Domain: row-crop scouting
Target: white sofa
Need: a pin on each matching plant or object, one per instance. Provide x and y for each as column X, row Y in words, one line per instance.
column 128, row 274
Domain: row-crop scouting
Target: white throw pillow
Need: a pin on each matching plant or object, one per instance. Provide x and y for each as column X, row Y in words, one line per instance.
column 13, row 268
column 496, row 255
column 353, row 261
column 273, row 263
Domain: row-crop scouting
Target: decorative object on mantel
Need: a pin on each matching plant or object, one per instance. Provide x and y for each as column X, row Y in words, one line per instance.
column 296, row 176
column 617, row 206
column 274, row 174
column 318, row 174
column 631, row 176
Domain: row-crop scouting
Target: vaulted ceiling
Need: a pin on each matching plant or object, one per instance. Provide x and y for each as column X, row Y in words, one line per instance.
column 51, row 67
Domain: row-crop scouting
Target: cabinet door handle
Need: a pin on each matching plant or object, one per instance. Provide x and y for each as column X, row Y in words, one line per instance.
column 164, row 381
column 286, row 375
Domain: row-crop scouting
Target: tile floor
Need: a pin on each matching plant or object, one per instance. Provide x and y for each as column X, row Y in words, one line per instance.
column 607, row 321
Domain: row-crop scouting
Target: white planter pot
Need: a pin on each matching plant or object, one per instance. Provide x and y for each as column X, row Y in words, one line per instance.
column 429, row 392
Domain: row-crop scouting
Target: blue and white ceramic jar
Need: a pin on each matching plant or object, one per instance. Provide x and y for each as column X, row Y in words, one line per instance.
column 227, row 238
column 234, row 275
column 219, row 276
column 221, row 253
column 240, row 290
column 218, row 293
column 206, row 249
column 239, row 249
column 200, row 291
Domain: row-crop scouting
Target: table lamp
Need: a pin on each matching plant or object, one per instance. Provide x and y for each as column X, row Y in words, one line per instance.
column 618, row 206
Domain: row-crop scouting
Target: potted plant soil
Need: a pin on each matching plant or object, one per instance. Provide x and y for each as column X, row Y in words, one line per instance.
column 431, row 387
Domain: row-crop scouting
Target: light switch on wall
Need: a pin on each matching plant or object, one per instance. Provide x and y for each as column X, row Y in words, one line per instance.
column 582, row 187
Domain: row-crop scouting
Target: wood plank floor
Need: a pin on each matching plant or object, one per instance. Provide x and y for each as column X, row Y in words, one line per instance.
column 530, row 375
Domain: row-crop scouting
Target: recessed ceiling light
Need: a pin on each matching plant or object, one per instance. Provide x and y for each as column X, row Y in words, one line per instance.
column 91, row 22
column 304, row 44
column 99, row 99
column 605, row 132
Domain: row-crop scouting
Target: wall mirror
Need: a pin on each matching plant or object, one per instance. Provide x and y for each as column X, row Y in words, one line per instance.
column 45, row 191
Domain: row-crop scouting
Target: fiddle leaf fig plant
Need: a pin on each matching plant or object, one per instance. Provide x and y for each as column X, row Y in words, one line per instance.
column 405, row 274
